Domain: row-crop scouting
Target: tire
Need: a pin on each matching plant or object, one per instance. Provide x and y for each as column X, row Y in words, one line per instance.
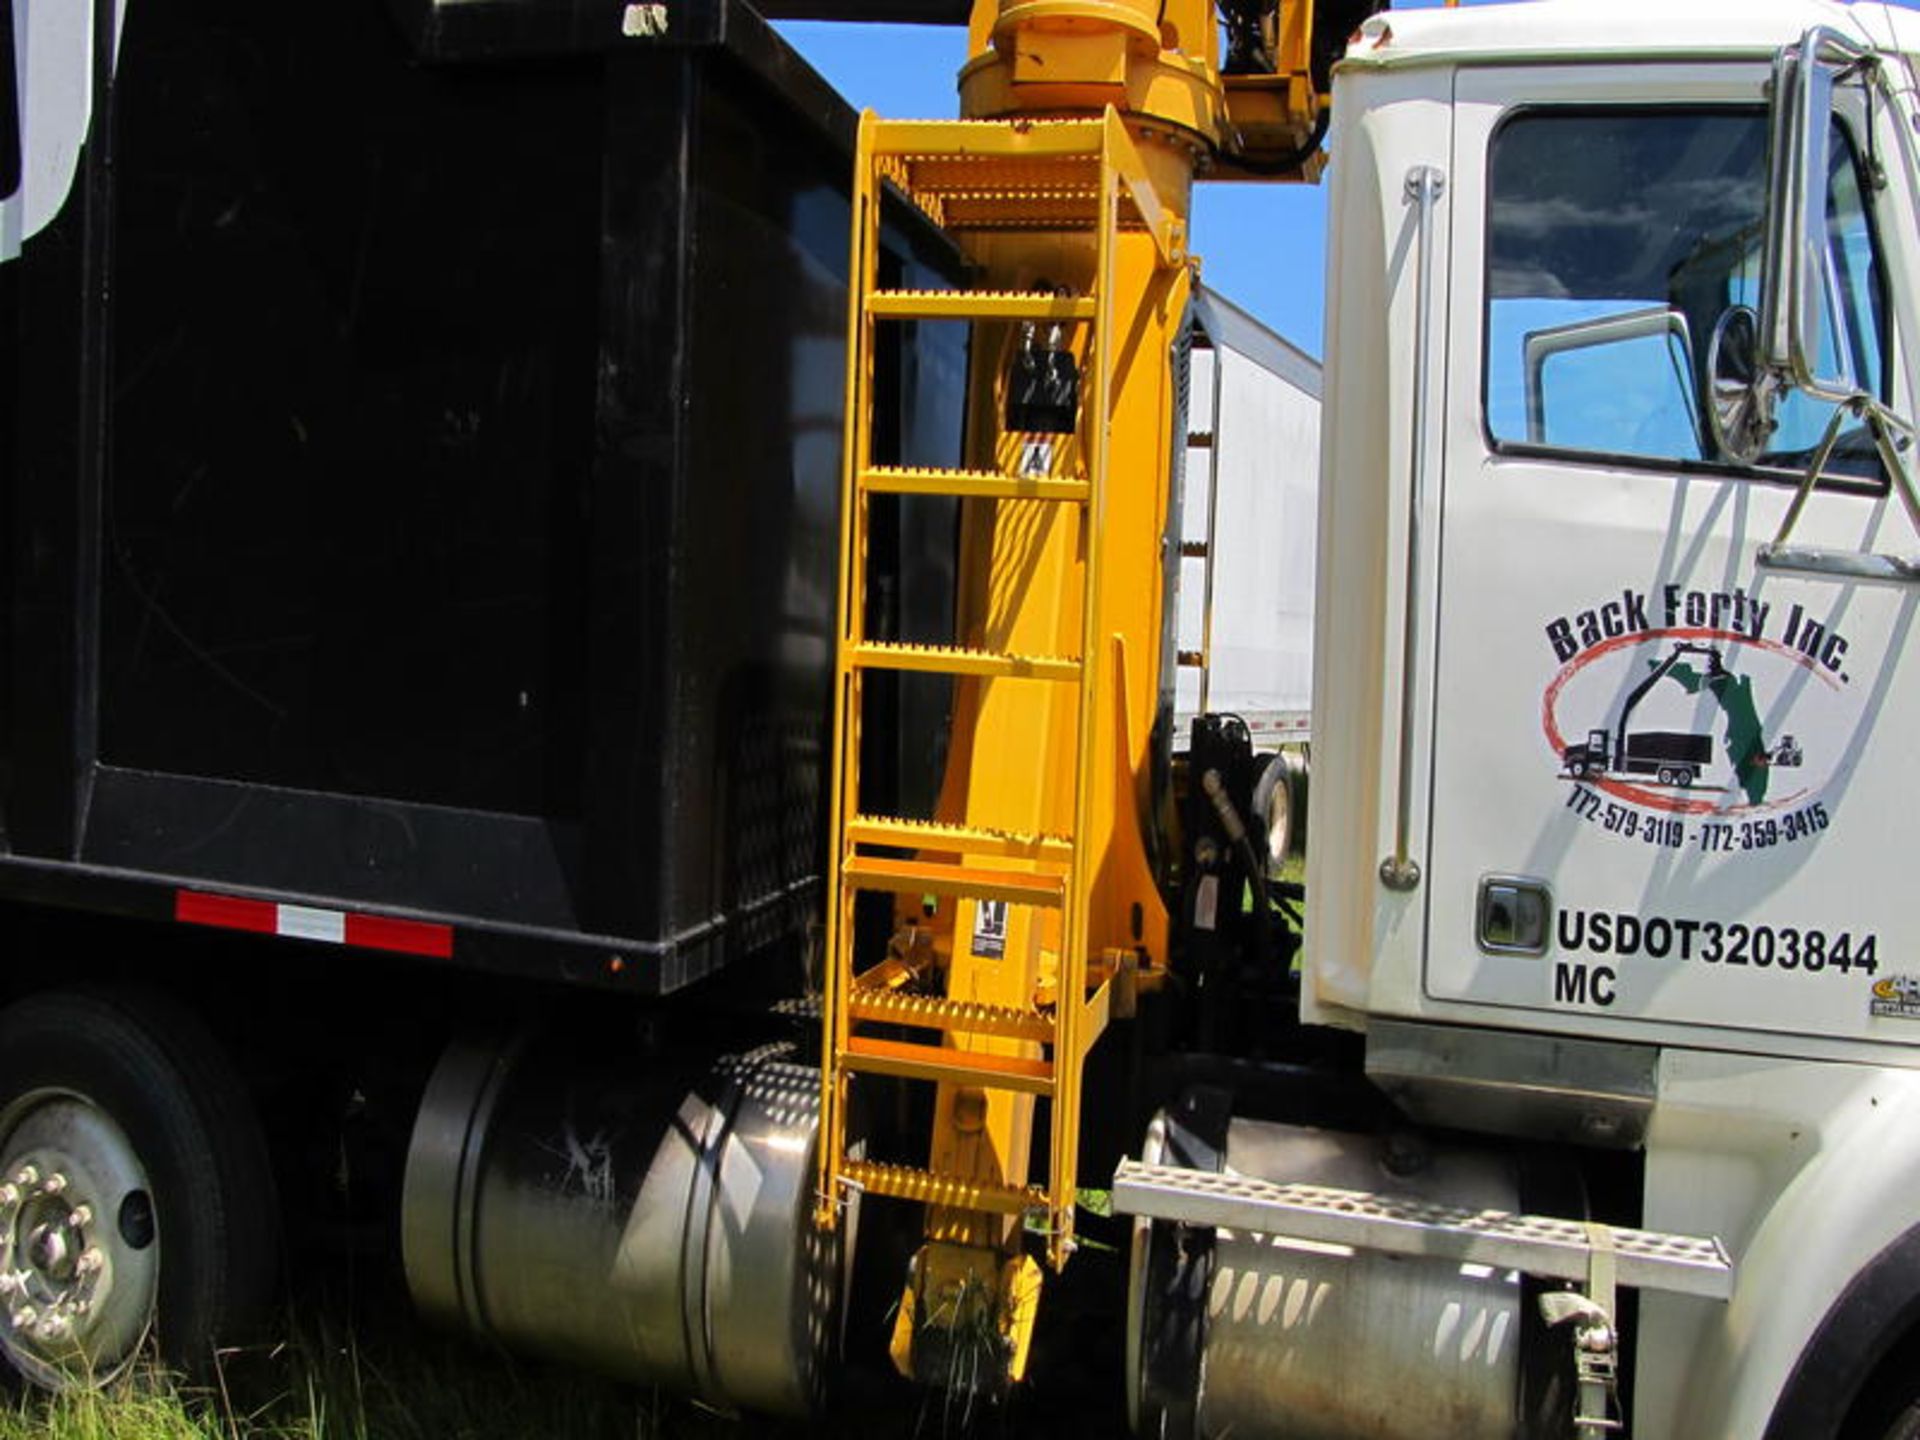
column 1888, row 1405
column 136, row 1199
column 1889, row 1410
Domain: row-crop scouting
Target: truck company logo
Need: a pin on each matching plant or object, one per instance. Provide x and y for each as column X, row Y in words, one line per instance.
column 1674, row 705
column 1896, row 998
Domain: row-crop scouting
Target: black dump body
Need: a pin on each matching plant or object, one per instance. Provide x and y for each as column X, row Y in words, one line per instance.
column 1660, row 747
column 423, row 441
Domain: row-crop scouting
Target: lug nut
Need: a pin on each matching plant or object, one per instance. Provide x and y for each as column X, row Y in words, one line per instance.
column 55, row 1183
column 26, row 1177
column 23, row 1317
column 80, row 1215
column 9, row 1195
column 89, row 1260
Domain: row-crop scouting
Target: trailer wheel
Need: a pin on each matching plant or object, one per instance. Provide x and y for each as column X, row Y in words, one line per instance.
column 136, row 1199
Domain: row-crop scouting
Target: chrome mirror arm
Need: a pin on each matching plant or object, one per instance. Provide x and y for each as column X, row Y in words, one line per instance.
column 1892, row 437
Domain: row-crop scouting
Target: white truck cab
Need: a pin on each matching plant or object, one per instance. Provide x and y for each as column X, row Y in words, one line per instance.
column 1585, row 347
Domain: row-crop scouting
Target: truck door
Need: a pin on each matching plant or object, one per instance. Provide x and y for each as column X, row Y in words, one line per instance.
column 1728, row 864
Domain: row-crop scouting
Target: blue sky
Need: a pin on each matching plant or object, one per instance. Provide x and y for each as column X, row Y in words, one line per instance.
column 1262, row 245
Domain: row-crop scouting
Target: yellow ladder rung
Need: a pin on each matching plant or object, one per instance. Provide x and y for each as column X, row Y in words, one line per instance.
column 978, row 305
column 987, row 139
column 941, row 1063
column 959, row 1017
column 971, row 484
column 937, row 835
column 953, row 660
column 1012, row 183
column 926, row 1187
column 923, row 877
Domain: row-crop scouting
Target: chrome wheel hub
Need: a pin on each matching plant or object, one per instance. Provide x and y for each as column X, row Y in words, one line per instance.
column 79, row 1257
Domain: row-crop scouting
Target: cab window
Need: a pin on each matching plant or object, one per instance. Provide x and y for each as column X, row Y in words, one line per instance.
column 1616, row 240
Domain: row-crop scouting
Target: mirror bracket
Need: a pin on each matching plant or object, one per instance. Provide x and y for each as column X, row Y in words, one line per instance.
column 1892, row 437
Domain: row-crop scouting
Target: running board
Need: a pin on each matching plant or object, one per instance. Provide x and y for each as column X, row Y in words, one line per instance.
column 1533, row 1244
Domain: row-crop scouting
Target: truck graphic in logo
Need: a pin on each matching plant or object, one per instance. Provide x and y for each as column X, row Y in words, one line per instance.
column 1734, row 714
column 1677, row 757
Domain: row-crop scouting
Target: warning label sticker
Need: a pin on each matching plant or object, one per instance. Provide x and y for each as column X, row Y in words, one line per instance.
column 990, row 929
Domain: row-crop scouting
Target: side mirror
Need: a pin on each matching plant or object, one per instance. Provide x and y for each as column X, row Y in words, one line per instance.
column 1794, row 317
column 1794, row 342
column 1739, row 409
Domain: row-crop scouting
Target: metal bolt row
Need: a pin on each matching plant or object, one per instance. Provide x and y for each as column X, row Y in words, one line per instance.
column 53, row 1320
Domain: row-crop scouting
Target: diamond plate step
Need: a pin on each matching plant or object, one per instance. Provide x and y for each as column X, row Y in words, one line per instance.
column 1535, row 1244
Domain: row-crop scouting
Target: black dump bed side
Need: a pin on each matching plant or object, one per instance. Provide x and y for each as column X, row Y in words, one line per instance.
column 425, row 436
column 1675, row 745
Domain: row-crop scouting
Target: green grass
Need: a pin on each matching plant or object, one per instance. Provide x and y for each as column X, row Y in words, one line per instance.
column 327, row 1389
column 134, row 1411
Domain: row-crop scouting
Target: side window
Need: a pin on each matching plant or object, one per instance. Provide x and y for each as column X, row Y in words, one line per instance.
column 1615, row 240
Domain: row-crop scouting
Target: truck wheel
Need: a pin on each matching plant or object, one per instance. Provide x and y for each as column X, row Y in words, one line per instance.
column 1888, row 1406
column 1685, row 777
column 136, row 1198
column 1666, row 776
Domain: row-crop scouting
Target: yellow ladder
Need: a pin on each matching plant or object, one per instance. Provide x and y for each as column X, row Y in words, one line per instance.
column 976, row 178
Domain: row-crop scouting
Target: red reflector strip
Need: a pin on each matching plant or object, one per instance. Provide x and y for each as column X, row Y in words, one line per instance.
column 225, row 911
column 305, row 922
column 412, row 937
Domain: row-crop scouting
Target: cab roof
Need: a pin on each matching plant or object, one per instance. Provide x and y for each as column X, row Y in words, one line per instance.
column 1549, row 30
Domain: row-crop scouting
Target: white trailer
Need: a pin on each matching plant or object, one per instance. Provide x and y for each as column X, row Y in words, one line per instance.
column 1248, row 520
